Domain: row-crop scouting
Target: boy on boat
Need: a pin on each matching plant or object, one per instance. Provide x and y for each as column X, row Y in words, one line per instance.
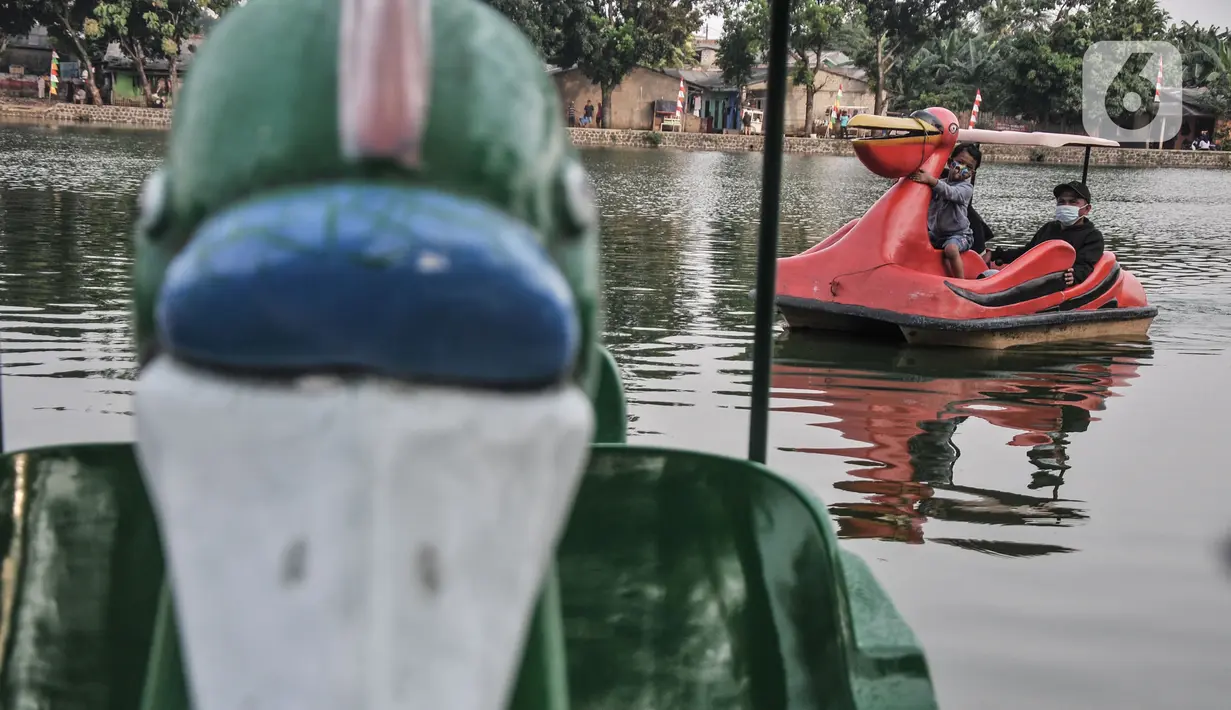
column 948, row 222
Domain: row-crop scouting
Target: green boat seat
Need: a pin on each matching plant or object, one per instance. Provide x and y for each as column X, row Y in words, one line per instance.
column 689, row 580
column 80, row 581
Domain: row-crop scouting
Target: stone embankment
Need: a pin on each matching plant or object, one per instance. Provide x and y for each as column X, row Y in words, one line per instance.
column 43, row 112
column 1128, row 157
column 59, row 112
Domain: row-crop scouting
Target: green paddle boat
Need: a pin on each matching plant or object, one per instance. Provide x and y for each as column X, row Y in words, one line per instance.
column 380, row 458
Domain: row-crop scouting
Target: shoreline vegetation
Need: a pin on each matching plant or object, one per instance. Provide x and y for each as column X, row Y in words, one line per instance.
column 64, row 114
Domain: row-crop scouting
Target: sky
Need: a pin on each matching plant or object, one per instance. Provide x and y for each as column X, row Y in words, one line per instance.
column 1207, row 12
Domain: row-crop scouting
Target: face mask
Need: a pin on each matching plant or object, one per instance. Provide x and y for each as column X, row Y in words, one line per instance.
column 1067, row 214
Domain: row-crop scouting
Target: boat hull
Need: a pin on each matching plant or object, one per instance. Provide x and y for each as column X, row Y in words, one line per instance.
column 987, row 333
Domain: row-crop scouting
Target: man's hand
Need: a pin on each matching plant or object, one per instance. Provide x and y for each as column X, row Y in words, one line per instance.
column 1068, row 278
column 920, row 176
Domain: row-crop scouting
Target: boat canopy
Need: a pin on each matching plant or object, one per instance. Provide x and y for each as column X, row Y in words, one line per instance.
column 1044, row 140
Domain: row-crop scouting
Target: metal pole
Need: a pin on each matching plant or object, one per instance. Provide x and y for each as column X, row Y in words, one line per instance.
column 767, row 246
column 1085, row 165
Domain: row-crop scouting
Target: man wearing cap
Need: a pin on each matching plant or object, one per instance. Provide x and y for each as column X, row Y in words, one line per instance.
column 1070, row 225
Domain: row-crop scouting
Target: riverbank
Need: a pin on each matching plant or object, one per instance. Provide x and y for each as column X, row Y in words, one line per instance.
column 1119, row 157
column 124, row 116
column 42, row 112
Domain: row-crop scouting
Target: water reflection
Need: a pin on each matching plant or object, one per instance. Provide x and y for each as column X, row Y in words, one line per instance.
column 905, row 405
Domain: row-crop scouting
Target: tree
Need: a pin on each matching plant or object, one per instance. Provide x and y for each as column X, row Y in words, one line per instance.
column 744, row 40
column 546, row 23
column 123, row 21
column 74, row 27
column 815, row 28
column 899, row 28
column 15, row 20
column 814, row 24
column 619, row 35
column 170, row 22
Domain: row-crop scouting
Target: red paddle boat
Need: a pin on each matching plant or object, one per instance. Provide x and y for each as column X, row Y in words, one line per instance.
column 879, row 274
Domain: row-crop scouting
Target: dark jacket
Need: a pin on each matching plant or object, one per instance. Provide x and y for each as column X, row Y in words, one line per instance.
column 1085, row 239
column 979, row 229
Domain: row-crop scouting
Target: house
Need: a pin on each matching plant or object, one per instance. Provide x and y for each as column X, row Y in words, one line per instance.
column 122, row 87
column 632, row 101
column 711, row 98
column 705, row 53
column 1196, row 115
column 713, row 102
column 857, row 96
column 24, row 59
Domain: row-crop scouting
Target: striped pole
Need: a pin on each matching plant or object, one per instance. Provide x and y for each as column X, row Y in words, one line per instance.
column 55, row 71
column 834, row 121
column 974, row 111
column 679, row 101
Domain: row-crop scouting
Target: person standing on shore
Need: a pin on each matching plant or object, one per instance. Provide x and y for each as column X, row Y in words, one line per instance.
column 42, row 87
column 572, row 115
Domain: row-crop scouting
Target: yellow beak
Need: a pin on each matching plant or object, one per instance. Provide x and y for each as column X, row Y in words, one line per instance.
column 888, row 123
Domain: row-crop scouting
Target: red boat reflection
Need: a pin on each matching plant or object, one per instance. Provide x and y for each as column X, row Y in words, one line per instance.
column 902, row 407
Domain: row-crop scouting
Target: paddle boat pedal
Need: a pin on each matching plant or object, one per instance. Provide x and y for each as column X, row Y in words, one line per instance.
column 359, row 504
column 880, row 275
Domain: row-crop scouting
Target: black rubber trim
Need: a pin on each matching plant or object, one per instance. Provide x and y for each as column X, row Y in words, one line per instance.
column 971, row 325
column 1108, row 282
column 1113, row 303
column 1025, row 291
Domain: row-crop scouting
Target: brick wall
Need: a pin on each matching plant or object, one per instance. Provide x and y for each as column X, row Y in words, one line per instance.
column 818, row 146
column 77, row 113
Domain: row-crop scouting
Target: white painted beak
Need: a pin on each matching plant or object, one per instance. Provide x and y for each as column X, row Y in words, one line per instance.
column 358, row 545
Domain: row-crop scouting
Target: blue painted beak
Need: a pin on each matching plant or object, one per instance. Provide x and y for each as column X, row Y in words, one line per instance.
column 385, row 280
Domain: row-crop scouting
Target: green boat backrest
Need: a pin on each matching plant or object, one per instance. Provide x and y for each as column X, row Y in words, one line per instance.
column 80, row 582
column 610, row 407
column 690, row 581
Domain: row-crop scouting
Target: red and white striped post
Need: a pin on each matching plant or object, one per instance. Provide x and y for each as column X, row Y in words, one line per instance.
column 974, row 111
column 679, row 104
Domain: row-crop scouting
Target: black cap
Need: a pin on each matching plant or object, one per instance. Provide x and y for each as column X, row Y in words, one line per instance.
column 1076, row 186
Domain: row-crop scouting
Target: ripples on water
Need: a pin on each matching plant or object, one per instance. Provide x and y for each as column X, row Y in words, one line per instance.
column 1048, row 519
column 67, row 201
column 1060, row 506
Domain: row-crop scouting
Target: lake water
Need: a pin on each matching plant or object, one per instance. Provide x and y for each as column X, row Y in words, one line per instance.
column 1052, row 522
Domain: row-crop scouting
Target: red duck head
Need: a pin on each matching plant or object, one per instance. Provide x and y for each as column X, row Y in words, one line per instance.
column 907, row 142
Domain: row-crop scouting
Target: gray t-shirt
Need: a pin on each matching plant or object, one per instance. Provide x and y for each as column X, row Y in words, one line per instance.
column 947, row 210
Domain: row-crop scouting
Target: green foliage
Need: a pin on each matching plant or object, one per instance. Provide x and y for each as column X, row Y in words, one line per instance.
column 548, row 24
column 744, row 41
column 817, row 26
column 170, row 22
column 619, row 35
column 66, row 21
column 16, row 19
column 607, row 38
column 1026, row 57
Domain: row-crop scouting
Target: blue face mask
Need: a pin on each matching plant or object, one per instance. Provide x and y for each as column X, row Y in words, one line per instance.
column 1067, row 214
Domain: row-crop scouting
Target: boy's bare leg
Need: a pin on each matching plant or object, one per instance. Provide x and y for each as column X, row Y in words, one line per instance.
column 953, row 262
